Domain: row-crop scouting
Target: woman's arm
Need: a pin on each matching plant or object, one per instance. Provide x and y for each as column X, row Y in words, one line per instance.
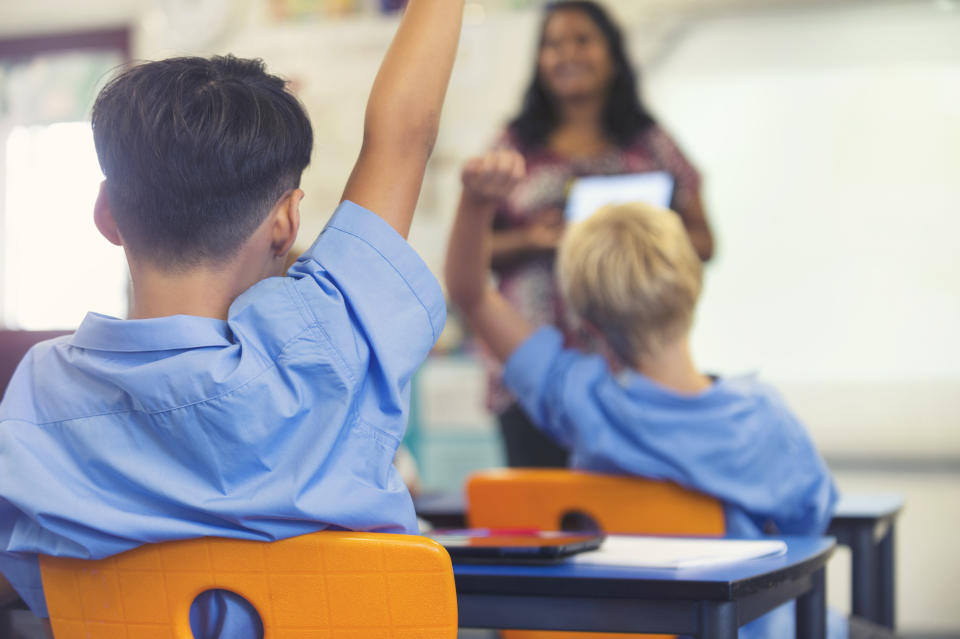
column 486, row 182
column 509, row 245
column 687, row 200
column 695, row 221
column 403, row 111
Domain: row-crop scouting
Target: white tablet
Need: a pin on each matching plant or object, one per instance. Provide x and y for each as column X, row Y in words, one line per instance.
column 587, row 194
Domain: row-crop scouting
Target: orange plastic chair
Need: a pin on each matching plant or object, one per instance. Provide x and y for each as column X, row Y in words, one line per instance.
column 326, row 585
column 545, row 498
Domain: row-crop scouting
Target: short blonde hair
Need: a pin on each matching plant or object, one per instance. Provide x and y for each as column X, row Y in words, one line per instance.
column 631, row 271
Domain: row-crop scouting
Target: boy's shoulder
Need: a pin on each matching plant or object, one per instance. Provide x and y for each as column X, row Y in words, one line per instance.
column 731, row 401
column 760, row 401
column 22, row 359
column 750, row 386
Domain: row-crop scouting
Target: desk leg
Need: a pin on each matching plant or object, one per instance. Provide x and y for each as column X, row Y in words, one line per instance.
column 812, row 609
column 886, row 588
column 863, row 557
column 718, row 620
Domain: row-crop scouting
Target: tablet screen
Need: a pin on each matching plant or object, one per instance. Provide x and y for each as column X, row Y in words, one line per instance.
column 587, row 194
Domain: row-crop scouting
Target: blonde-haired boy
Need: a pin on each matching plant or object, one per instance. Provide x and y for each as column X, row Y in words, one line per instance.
column 631, row 272
column 639, row 405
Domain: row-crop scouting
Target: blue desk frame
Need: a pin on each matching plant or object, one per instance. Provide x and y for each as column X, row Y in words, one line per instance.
column 709, row 603
column 866, row 523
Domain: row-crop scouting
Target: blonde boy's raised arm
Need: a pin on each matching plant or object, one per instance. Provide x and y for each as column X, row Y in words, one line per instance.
column 403, row 111
column 487, row 180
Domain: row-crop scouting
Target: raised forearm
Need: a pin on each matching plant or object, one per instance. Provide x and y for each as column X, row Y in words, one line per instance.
column 508, row 245
column 408, row 92
column 468, row 254
column 486, row 182
column 488, row 314
column 403, row 112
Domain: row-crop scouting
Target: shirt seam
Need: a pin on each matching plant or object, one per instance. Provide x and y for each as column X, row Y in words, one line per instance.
column 433, row 329
column 313, row 322
column 378, row 432
column 272, row 364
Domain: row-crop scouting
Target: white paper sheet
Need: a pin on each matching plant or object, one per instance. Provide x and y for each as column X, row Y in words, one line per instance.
column 677, row 552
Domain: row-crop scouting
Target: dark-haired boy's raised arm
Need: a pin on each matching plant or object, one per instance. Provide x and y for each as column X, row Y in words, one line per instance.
column 486, row 181
column 403, row 111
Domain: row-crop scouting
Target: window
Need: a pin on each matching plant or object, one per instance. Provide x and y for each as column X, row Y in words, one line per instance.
column 54, row 265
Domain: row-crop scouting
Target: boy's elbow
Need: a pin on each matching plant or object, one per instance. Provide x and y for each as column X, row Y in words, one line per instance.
column 465, row 298
column 411, row 133
column 469, row 298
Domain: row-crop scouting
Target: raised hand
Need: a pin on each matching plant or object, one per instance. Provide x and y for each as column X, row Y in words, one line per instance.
column 490, row 178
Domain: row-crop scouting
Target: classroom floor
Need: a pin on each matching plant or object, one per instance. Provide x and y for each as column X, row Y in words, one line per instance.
column 21, row 624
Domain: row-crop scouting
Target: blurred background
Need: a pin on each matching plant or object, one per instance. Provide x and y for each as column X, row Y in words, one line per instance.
column 827, row 132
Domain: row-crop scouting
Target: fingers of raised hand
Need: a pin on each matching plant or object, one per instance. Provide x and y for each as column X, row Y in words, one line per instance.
column 494, row 174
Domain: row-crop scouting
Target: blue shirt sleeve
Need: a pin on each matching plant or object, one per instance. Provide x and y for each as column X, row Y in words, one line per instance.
column 376, row 301
column 23, row 573
column 737, row 441
column 536, row 373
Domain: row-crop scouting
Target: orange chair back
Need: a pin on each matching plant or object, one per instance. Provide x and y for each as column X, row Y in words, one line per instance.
column 542, row 498
column 330, row 585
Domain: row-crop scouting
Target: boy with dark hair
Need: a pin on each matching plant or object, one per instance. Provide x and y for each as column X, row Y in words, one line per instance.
column 234, row 401
column 191, row 176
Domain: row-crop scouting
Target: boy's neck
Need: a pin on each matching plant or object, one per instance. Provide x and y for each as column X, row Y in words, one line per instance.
column 160, row 296
column 673, row 368
column 202, row 291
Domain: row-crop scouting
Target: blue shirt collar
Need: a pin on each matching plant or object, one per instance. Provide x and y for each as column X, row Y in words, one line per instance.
column 177, row 332
column 636, row 382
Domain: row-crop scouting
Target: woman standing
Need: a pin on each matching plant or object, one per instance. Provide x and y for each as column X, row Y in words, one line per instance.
column 581, row 115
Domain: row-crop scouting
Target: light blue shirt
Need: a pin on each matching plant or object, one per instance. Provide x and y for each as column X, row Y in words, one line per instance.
column 282, row 420
column 736, row 441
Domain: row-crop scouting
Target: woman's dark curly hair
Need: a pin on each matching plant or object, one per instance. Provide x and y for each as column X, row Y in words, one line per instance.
column 624, row 117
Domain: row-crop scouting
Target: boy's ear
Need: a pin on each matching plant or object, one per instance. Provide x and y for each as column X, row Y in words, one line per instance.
column 286, row 222
column 103, row 217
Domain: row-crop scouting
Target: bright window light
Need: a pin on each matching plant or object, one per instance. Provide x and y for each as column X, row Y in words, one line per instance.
column 57, row 266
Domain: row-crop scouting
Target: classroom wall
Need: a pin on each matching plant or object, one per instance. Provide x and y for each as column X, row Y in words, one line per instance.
column 45, row 16
column 829, row 143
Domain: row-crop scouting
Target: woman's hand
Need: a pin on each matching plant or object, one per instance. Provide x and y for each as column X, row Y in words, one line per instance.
column 544, row 231
column 541, row 234
column 490, row 178
column 487, row 181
